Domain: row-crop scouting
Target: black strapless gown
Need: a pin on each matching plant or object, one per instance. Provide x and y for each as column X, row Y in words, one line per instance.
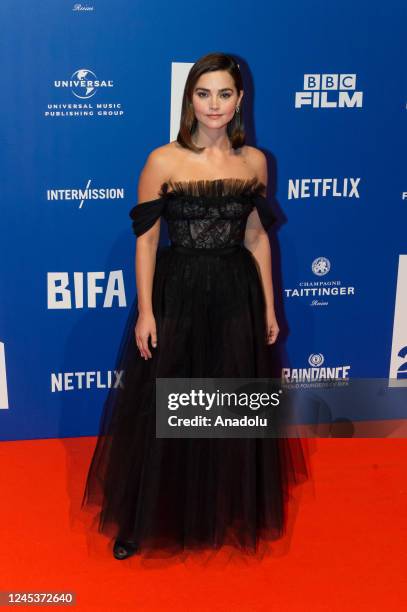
column 169, row 494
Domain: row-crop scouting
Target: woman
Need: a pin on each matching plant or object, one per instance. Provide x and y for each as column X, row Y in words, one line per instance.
column 205, row 309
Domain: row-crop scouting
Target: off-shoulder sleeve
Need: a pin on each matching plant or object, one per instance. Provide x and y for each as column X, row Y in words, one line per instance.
column 144, row 215
column 266, row 215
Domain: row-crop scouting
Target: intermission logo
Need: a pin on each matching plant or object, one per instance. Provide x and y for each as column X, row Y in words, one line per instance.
column 74, row 381
column 317, row 373
column 84, row 85
column 329, row 91
column 319, row 291
column 87, row 193
column 323, row 187
column 3, row 378
column 67, row 291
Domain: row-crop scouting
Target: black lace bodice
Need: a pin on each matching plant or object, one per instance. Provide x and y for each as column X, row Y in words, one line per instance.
column 204, row 213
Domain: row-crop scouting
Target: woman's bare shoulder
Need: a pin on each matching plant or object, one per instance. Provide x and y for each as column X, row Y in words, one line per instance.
column 157, row 170
column 162, row 160
column 256, row 160
column 165, row 153
column 252, row 154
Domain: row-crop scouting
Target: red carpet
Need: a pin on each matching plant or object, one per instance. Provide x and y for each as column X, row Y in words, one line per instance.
column 345, row 548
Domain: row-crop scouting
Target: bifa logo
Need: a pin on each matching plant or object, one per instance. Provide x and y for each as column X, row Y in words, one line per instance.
column 329, row 91
column 80, row 290
column 398, row 357
column 3, row 379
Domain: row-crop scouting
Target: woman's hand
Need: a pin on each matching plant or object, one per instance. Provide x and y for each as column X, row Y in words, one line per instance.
column 145, row 327
column 272, row 328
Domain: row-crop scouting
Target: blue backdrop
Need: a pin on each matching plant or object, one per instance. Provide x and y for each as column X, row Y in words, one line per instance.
column 325, row 100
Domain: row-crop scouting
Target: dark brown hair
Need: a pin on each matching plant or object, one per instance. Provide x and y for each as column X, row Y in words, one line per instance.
column 188, row 123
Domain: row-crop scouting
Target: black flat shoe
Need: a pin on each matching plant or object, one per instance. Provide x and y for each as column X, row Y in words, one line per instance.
column 123, row 549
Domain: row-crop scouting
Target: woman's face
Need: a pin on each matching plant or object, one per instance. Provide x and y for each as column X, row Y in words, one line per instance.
column 215, row 99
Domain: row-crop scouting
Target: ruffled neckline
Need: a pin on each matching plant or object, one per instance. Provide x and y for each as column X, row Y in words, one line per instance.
column 218, row 188
column 249, row 192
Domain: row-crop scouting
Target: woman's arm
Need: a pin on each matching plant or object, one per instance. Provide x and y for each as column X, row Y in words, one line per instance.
column 151, row 178
column 257, row 241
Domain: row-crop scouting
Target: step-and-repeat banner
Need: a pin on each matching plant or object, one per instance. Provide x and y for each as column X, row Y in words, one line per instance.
column 88, row 90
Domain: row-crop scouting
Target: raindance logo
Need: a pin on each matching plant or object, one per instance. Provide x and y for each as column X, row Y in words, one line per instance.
column 329, row 91
column 319, row 290
column 316, row 359
column 316, row 373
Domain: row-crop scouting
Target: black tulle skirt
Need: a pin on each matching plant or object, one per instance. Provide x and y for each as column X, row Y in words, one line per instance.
column 175, row 494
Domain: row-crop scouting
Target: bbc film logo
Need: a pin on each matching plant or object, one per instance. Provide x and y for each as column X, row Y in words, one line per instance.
column 329, row 91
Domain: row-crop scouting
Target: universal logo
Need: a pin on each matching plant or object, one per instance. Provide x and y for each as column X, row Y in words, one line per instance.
column 329, row 91
column 80, row 195
column 84, row 85
column 318, row 291
column 317, row 373
column 323, row 187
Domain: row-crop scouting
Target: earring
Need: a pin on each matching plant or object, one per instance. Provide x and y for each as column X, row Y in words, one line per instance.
column 237, row 109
